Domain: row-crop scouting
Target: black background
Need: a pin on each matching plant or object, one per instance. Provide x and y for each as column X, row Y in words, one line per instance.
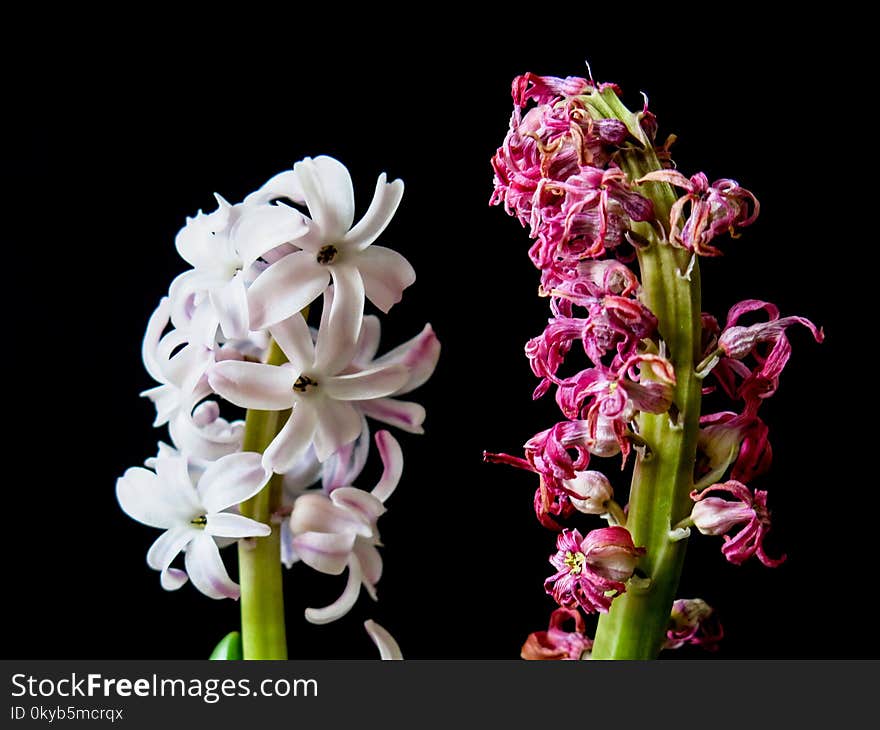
column 125, row 133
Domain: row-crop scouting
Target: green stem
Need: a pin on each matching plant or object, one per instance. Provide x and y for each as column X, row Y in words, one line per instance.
column 635, row 626
column 259, row 559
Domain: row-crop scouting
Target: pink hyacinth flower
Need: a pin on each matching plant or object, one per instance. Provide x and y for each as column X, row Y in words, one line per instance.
column 717, row 516
column 738, row 342
column 556, row 642
column 593, row 570
column 721, row 207
column 694, row 622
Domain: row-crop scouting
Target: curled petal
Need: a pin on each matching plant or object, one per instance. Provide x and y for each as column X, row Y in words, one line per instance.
column 392, row 462
column 323, row 551
column 173, row 578
column 344, row 603
column 388, row 647
column 206, row 570
column 379, row 214
column 313, row 512
column 168, row 546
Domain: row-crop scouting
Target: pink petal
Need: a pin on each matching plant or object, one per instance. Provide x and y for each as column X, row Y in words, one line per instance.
column 405, row 415
column 419, row 355
column 313, row 512
column 392, row 461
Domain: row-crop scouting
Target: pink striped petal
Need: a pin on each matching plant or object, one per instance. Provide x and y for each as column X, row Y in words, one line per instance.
column 325, row 552
column 206, row 570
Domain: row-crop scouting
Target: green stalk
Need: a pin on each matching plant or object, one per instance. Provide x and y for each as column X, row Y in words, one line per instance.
column 259, row 559
column 635, row 626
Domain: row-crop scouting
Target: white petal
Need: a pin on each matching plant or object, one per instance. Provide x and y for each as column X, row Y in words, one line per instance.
column 200, row 241
column 379, row 214
column 283, row 185
column 315, row 513
column 338, row 424
column 388, row 647
column 168, row 546
column 337, row 340
column 305, row 472
column 253, row 384
column 368, row 341
column 231, row 480
column 325, row 552
column 363, row 505
column 285, row 288
column 157, row 324
column 166, row 398
column 386, row 274
column 405, row 415
column 344, row 603
column 420, row 355
column 392, row 462
column 173, row 578
column 227, row 524
column 231, row 305
column 295, row 340
column 209, row 441
column 366, row 385
column 153, row 501
column 347, row 462
column 260, row 229
column 206, row 570
column 328, row 193
column 292, row 440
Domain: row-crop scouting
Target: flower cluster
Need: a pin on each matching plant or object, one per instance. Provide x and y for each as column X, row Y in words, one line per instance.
column 234, row 328
column 561, row 173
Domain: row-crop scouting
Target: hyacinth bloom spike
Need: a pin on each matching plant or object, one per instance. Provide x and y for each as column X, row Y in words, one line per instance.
column 233, row 328
column 616, row 234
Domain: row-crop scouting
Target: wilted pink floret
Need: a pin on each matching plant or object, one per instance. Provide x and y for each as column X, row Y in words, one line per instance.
column 592, row 571
column 717, row 516
column 722, row 207
column 737, row 342
column 744, row 434
column 558, row 643
column 694, row 622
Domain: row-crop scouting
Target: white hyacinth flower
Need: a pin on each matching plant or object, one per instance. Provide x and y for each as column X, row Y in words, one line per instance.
column 315, row 384
column 330, row 249
column 194, row 516
column 335, row 532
